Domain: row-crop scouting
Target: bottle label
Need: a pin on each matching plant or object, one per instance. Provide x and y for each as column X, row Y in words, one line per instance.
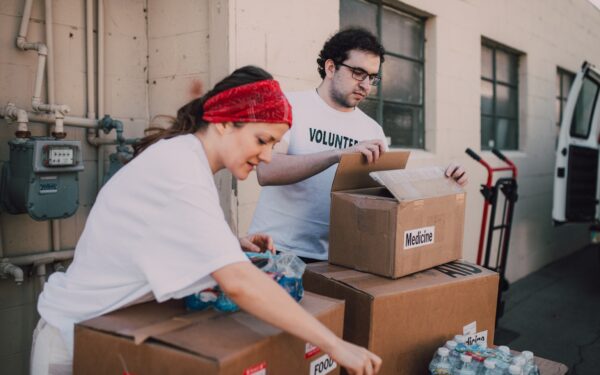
column 322, row 365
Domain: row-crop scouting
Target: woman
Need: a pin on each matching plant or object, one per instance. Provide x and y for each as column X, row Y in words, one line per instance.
column 157, row 230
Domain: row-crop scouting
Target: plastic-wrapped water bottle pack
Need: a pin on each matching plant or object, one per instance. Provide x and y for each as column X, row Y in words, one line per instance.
column 456, row 357
column 286, row 269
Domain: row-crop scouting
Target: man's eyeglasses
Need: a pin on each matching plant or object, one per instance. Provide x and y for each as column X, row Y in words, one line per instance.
column 360, row 74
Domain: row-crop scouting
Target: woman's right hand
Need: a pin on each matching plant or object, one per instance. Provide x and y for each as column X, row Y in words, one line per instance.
column 357, row 360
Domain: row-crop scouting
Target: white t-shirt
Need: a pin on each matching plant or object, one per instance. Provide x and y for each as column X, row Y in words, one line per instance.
column 156, row 229
column 297, row 215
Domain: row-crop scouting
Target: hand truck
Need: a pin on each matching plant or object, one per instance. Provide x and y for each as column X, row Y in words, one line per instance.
column 508, row 187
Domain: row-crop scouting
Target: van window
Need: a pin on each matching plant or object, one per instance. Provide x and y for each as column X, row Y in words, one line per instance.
column 582, row 116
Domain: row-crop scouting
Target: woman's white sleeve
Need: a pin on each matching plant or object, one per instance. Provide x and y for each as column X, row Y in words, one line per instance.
column 188, row 242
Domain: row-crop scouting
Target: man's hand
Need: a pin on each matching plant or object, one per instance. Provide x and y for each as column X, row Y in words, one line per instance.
column 458, row 173
column 258, row 243
column 371, row 149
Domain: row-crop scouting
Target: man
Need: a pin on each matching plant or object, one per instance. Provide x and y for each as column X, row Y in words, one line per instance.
column 294, row 203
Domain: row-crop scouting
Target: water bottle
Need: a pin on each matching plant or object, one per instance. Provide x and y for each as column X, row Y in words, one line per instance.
column 435, row 360
column 514, row 370
column 519, row 361
column 464, row 368
column 461, row 344
column 440, row 365
column 454, row 356
column 504, row 359
column 530, row 367
column 489, row 367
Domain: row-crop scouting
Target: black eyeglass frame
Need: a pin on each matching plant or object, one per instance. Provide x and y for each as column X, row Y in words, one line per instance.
column 357, row 73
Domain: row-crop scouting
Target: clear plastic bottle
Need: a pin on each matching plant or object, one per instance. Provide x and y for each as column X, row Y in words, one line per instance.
column 489, row 367
column 435, row 360
column 515, row 370
column 441, row 365
column 504, row 358
column 519, row 360
column 465, row 367
column 461, row 343
column 454, row 356
column 530, row 368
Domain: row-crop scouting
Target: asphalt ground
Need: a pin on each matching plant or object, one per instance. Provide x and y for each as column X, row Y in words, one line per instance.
column 555, row 313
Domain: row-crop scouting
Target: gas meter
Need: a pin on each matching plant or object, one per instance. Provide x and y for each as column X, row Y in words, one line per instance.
column 41, row 178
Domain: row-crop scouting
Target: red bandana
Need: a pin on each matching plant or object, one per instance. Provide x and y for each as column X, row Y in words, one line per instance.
column 261, row 101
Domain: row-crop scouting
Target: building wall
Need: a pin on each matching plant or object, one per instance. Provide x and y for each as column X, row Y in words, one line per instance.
column 159, row 55
column 549, row 33
column 155, row 55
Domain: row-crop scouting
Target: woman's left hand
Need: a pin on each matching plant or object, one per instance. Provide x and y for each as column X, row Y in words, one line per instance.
column 258, row 243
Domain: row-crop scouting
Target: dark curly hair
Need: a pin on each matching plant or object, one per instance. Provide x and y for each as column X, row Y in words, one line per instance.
column 337, row 47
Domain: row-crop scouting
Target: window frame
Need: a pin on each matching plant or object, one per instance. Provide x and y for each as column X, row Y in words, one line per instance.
column 562, row 99
column 495, row 46
column 379, row 99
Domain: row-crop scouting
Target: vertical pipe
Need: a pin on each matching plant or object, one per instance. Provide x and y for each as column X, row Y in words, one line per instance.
column 25, row 20
column 54, row 224
column 50, row 46
column 39, row 78
column 89, row 29
column 100, row 150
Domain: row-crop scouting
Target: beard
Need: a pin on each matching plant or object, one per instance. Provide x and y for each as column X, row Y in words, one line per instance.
column 344, row 100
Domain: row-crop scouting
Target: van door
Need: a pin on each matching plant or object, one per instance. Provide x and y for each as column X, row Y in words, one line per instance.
column 576, row 188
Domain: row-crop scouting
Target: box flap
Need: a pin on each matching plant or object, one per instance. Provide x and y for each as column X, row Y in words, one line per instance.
column 417, row 183
column 210, row 334
column 353, row 170
column 378, row 286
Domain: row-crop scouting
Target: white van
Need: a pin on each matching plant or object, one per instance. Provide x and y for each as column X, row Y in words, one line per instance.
column 576, row 188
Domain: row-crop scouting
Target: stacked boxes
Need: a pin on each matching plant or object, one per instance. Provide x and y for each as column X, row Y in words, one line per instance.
column 407, row 236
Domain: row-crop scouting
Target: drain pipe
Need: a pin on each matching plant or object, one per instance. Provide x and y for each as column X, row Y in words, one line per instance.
column 42, row 50
column 9, row 269
column 89, row 32
column 58, row 127
column 100, row 149
column 20, row 116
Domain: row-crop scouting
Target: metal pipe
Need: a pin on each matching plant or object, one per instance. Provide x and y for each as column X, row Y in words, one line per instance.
column 50, row 118
column 47, row 257
column 100, row 149
column 50, row 45
column 40, row 272
column 89, row 31
column 10, row 269
column 58, row 127
column 25, row 19
column 39, row 77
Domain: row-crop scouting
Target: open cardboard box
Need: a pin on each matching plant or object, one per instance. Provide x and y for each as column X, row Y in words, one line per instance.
column 153, row 338
column 413, row 223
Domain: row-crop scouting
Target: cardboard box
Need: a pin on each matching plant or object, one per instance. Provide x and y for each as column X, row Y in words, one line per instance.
column 173, row 341
column 414, row 223
column 405, row 320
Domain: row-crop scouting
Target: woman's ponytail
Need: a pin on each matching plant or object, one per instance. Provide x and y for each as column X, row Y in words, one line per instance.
column 189, row 117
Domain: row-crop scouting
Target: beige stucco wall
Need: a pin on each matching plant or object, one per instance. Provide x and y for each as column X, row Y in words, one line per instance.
column 549, row 33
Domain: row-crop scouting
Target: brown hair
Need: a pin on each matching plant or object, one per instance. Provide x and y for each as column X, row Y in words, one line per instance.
column 189, row 117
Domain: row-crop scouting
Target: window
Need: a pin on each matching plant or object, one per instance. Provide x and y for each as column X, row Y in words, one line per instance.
column 397, row 103
column 564, row 80
column 581, row 123
column 499, row 97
